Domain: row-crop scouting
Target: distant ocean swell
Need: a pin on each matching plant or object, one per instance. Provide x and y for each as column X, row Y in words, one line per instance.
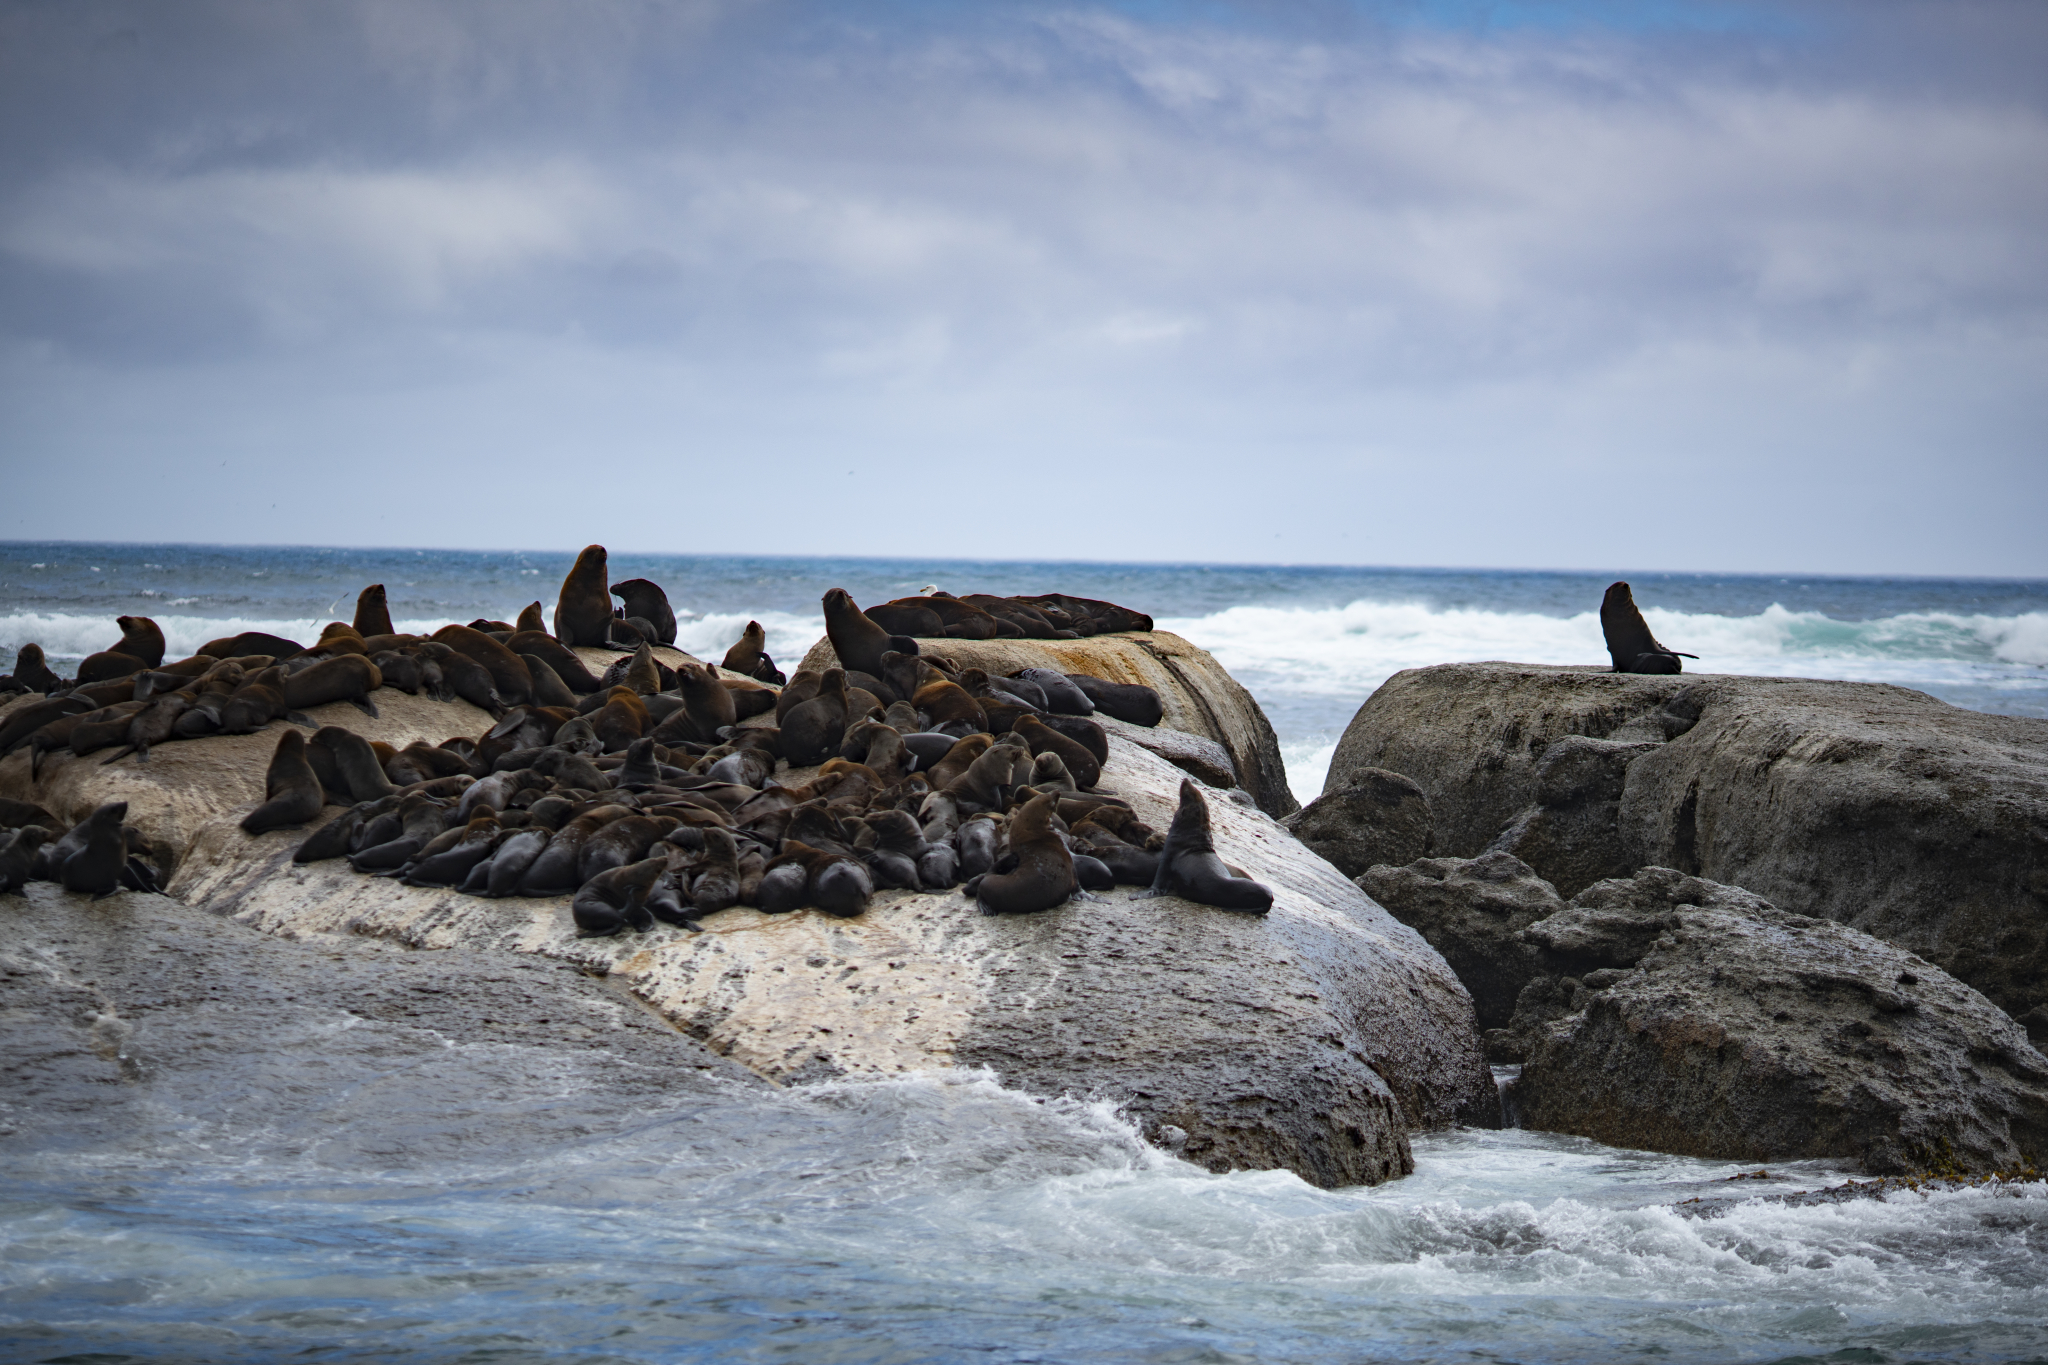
column 1310, row 667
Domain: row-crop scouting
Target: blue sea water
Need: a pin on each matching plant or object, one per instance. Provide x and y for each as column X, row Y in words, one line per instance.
column 257, row 1207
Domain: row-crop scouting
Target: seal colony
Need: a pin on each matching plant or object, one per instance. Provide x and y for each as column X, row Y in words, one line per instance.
column 649, row 793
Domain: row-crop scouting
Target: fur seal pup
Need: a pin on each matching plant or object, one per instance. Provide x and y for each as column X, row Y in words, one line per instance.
column 153, row 724
column 1190, row 869
column 373, row 614
column 101, row 855
column 1132, row 703
column 858, row 641
column 32, row 672
column 647, row 602
column 464, row 676
column 748, row 652
column 1629, row 642
column 583, row 610
column 617, row 899
column 18, row 856
column 1080, row 761
column 802, row 875
column 291, row 789
column 812, row 730
column 1044, row 875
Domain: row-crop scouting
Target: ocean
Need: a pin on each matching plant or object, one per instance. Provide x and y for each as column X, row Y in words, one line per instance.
column 314, row 1183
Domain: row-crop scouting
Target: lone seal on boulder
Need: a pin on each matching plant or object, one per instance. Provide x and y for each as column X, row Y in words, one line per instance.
column 1629, row 642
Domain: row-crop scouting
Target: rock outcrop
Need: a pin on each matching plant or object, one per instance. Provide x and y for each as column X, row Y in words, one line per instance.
column 1313, row 1038
column 1199, row 696
column 1381, row 817
column 1671, row 1013
column 1875, row 806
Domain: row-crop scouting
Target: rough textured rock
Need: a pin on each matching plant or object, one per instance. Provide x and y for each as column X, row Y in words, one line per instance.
column 1312, row 1038
column 1473, row 911
column 1573, row 832
column 1199, row 757
column 1381, row 817
column 1704, row 1021
column 1879, row 807
column 1198, row 695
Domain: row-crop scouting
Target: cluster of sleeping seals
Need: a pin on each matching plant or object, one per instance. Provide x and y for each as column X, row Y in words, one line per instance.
column 99, row 855
column 979, row 616
column 1629, row 642
column 886, row 664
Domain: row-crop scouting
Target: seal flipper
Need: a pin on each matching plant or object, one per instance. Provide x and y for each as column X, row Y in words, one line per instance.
column 123, row 752
column 300, row 718
column 366, row 706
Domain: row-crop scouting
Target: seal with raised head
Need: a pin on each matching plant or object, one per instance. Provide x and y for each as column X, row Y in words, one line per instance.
column 141, row 646
column 1044, row 875
column 100, row 857
column 33, row 672
column 1190, row 869
column 292, row 792
column 583, row 610
column 373, row 615
column 1629, row 642
column 647, row 602
column 858, row 641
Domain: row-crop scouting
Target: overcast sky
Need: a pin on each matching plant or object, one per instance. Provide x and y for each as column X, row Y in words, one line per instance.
column 1653, row 285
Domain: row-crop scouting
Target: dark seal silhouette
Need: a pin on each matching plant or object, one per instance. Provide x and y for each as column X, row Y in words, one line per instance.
column 1629, row 642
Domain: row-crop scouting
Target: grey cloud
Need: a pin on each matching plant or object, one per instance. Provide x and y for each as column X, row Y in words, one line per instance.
column 1365, row 247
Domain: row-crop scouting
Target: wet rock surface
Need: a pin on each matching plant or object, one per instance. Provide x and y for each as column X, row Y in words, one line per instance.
column 1871, row 805
column 1381, row 817
column 107, row 1004
column 1672, row 1013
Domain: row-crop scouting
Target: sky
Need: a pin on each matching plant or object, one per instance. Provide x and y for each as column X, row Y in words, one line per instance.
column 1679, row 286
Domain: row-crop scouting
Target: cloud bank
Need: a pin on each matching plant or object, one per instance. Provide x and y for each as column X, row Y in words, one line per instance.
column 1732, row 288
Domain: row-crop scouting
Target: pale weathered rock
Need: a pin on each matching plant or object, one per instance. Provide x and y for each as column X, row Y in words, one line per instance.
column 1702, row 1020
column 1312, row 1038
column 1198, row 695
column 1199, row 757
column 1381, row 817
column 1879, row 807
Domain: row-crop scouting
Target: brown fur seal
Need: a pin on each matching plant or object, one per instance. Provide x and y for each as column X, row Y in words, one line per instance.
column 31, row 670
column 1190, row 869
column 1044, row 875
column 345, row 677
column 583, row 611
column 373, row 615
column 141, row 646
column 18, row 848
column 568, row 666
column 858, row 641
column 647, row 602
column 1629, row 642
column 531, row 618
column 356, row 764
column 509, row 675
column 812, row 730
column 1042, row 738
column 291, row 789
column 911, row 616
column 617, row 899
column 252, row 642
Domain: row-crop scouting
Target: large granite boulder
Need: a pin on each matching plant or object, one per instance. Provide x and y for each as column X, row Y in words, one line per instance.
column 1671, row 1013
column 1199, row 697
column 1313, row 1038
column 1875, row 806
column 1381, row 817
